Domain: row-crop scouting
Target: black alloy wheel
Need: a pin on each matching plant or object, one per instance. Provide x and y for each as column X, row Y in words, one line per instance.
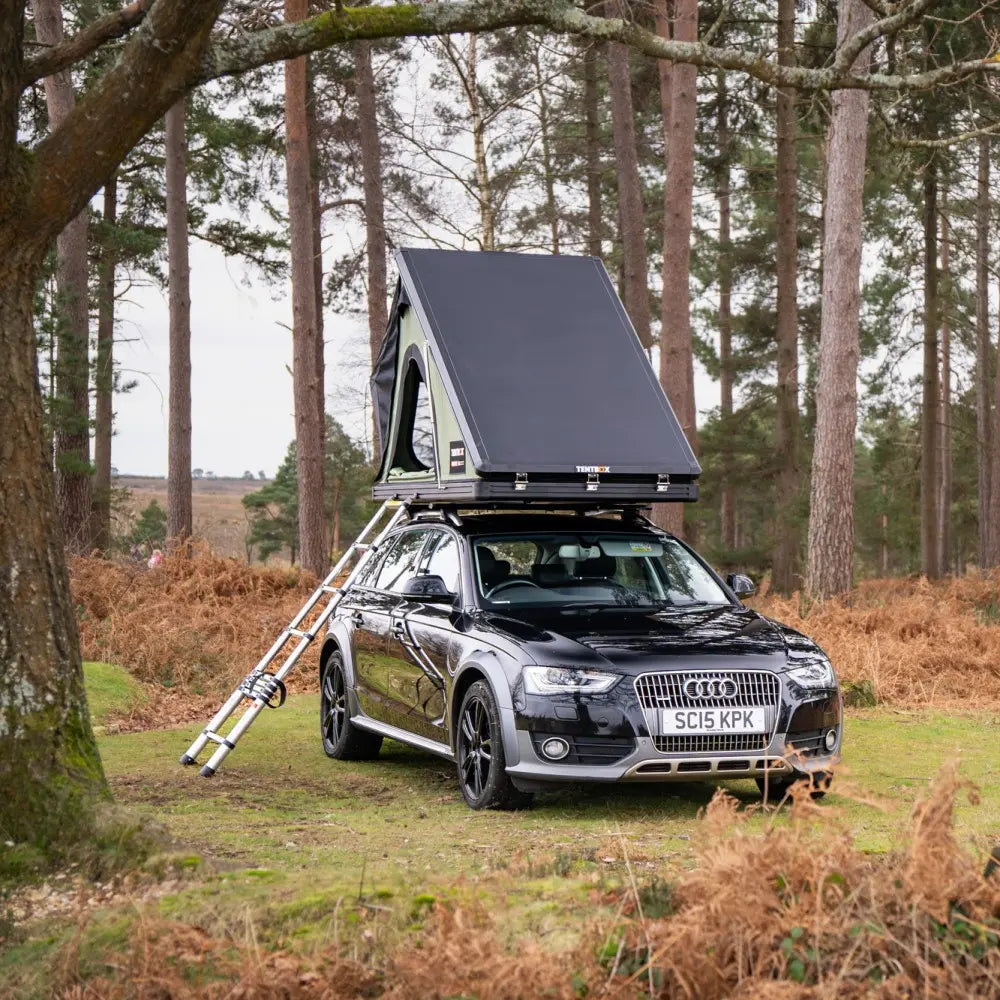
column 341, row 738
column 482, row 768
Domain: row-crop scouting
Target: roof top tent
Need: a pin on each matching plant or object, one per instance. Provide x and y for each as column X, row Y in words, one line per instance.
column 508, row 377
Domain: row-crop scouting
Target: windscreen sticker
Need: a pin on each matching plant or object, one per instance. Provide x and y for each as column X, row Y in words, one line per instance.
column 456, row 457
column 640, row 547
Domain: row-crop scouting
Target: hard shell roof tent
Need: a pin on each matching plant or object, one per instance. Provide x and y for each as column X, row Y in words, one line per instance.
column 518, row 377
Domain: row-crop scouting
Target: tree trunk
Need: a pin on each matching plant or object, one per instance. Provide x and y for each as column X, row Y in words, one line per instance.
column 180, row 519
column 49, row 768
column 929, row 484
column 484, row 186
column 676, row 357
column 944, row 497
column 983, row 374
column 308, row 383
column 104, row 375
column 545, row 140
column 592, row 138
column 317, row 262
column 375, row 242
column 831, row 512
column 630, row 209
column 727, row 505
column 993, row 520
column 785, row 569
column 71, row 416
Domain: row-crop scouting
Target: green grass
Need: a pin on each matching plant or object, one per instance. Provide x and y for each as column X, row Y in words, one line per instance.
column 109, row 688
column 310, row 849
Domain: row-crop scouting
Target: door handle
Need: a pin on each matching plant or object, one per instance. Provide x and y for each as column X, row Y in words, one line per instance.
column 399, row 632
column 358, row 618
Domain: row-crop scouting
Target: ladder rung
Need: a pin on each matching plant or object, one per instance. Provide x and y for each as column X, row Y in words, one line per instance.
column 362, row 546
column 330, row 590
column 217, row 738
column 301, row 634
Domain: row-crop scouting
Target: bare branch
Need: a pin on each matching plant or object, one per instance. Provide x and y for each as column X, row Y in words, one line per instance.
column 288, row 41
column 855, row 44
column 83, row 43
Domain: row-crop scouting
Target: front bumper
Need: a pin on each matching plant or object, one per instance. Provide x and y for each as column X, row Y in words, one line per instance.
column 611, row 740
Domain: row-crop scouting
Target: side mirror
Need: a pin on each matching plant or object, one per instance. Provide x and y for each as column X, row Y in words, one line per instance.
column 429, row 586
column 740, row 585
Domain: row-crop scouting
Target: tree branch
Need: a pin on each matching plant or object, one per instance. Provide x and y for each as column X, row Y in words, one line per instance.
column 288, row 41
column 72, row 50
column 855, row 44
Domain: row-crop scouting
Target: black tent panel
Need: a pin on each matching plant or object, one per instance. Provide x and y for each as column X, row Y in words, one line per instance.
column 545, row 376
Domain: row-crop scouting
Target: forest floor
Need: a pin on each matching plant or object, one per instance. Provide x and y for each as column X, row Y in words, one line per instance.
column 292, row 875
column 290, row 853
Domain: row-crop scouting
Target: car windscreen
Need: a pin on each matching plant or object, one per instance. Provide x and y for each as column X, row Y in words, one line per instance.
column 629, row 571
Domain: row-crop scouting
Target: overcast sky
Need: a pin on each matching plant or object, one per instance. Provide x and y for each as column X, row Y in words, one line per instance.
column 241, row 386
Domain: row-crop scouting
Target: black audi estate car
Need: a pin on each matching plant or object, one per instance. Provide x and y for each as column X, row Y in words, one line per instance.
column 541, row 648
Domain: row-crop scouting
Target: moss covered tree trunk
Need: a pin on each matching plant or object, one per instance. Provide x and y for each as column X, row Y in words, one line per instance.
column 49, row 768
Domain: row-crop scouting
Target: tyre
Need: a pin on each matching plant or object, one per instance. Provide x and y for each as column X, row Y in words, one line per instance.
column 342, row 740
column 482, row 768
column 777, row 788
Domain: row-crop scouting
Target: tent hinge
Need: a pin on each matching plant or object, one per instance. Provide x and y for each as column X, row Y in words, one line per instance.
column 662, row 483
column 593, row 481
column 520, row 481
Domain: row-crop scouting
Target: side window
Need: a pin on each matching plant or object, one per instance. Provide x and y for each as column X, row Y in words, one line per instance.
column 368, row 576
column 401, row 561
column 444, row 561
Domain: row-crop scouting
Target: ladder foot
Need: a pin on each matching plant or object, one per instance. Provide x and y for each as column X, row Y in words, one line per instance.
column 185, row 759
column 207, row 772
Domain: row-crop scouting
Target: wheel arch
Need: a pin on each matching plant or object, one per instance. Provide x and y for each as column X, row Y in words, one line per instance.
column 485, row 667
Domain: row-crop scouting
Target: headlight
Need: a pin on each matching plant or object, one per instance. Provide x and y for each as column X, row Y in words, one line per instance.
column 563, row 680
column 814, row 674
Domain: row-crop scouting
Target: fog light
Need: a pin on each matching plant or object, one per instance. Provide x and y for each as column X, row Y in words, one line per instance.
column 555, row 748
column 831, row 739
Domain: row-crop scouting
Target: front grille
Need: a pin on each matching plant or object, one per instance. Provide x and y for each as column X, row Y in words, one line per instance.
column 754, row 689
column 717, row 743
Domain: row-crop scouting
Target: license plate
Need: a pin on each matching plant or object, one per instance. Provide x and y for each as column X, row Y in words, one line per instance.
column 714, row 720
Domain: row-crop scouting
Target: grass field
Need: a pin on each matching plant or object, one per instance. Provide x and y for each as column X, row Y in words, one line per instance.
column 302, row 853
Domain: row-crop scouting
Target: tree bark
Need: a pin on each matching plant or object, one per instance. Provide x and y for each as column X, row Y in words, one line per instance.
column 375, row 241
column 635, row 271
column 831, row 511
column 993, row 520
column 727, row 504
column 484, row 186
column 592, row 139
column 983, row 374
column 104, row 375
column 545, row 140
column 307, row 380
column 785, row 569
column 71, row 416
column 676, row 356
column 180, row 517
column 944, row 497
column 929, row 436
column 49, row 767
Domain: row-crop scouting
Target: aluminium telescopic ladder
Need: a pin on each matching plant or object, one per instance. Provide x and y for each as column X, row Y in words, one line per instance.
column 261, row 686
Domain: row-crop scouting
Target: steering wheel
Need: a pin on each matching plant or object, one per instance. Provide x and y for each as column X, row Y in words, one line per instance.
column 503, row 584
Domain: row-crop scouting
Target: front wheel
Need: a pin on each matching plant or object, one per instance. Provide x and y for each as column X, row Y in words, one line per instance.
column 341, row 738
column 482, row 768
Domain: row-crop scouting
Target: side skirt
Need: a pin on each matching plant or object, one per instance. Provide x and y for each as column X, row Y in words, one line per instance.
column 402, row 736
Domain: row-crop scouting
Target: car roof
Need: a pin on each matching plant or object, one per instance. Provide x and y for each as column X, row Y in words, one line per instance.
column 473, row 524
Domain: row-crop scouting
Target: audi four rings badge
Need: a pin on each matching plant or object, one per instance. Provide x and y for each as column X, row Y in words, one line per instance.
column 710, row 687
